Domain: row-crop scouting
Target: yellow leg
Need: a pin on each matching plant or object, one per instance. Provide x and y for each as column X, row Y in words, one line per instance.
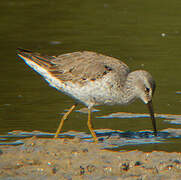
column 63, row 119
column 90, row 126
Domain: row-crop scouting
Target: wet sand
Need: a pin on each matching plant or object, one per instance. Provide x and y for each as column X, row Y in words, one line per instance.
column 47, row 158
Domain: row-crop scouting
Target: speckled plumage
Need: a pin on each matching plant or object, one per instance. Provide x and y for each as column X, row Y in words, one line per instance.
column 92, row 78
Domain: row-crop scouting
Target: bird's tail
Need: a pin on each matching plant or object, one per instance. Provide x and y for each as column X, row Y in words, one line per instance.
column 41, row 60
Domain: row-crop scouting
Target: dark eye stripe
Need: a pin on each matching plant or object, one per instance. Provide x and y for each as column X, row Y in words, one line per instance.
column 147, row 90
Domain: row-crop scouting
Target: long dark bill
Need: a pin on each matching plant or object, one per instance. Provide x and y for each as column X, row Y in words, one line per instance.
column 150, row 107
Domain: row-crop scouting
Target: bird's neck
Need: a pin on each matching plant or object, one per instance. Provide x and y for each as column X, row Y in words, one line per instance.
column 128, row 91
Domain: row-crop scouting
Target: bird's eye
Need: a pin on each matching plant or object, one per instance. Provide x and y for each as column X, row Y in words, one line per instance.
column 147, row 90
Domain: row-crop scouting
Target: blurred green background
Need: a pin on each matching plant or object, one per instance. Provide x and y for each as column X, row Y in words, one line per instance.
column 143, row 34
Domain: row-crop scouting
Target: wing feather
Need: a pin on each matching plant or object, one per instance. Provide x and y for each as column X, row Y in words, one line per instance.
column 80, row 67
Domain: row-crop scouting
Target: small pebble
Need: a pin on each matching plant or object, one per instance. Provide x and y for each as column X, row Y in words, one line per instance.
column 107, row 169
column 75, row 152
column 125, row 166
column 54, row 170
column 82, row 170
column 40, row 169
column 85, row 150
column 138, row 163
column 91, row 168
column 169, row 167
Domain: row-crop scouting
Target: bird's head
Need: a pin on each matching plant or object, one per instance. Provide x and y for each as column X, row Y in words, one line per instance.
column 144, row 89
column 145, row 86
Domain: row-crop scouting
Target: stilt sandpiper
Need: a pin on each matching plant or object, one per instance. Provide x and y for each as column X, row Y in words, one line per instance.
column 92, row 79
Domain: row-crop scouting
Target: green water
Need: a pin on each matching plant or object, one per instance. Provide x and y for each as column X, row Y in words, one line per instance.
column 144, row 34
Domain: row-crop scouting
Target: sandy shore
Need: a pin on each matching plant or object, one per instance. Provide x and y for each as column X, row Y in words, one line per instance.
column 55, row 159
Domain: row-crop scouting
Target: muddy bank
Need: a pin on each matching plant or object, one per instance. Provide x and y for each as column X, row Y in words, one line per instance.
column 73, row 159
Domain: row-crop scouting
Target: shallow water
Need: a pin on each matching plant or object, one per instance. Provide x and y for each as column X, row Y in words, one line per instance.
column 145, row 35
column 116, row 140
